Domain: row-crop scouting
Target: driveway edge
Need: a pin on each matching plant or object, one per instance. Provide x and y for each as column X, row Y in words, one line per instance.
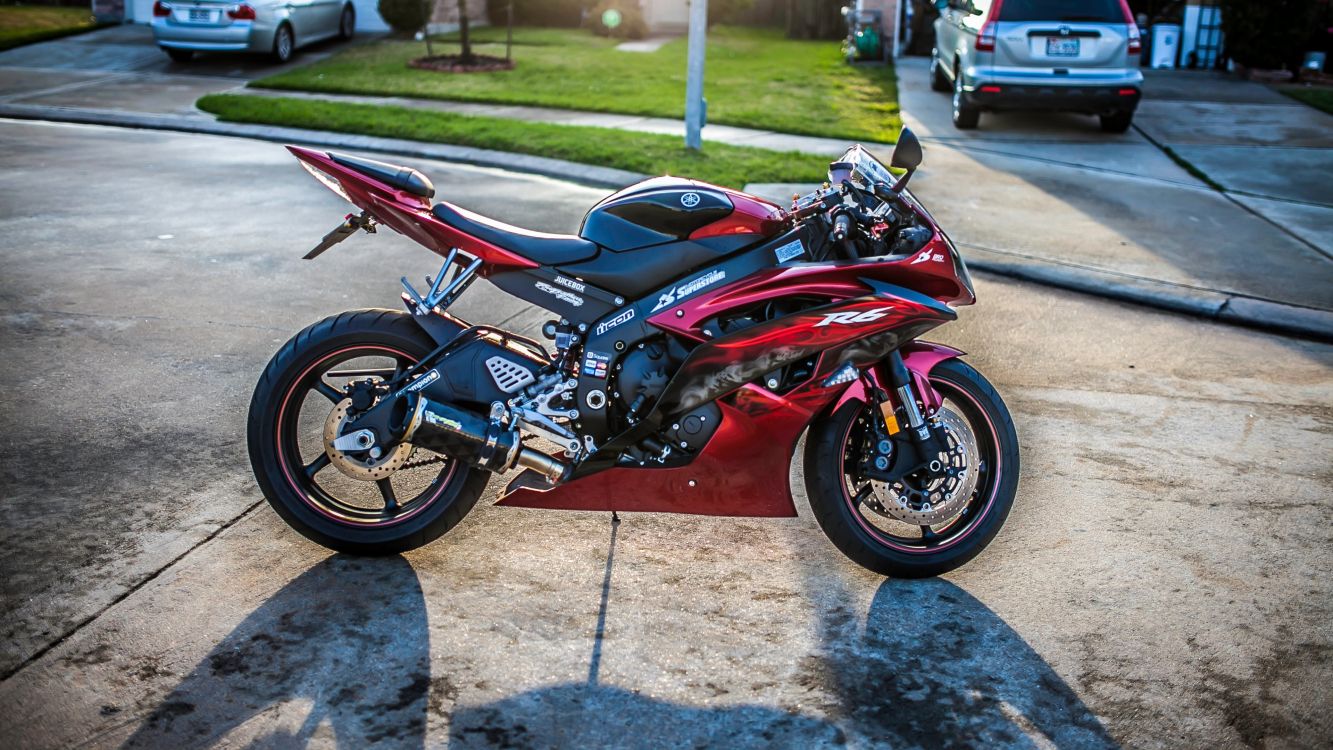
column 1214, row 305
column 1222, row 307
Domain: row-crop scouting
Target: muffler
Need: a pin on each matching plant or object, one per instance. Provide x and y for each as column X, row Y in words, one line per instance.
column 479, row 442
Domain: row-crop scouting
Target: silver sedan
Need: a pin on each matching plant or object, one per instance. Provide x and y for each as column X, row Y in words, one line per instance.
column 275, row 27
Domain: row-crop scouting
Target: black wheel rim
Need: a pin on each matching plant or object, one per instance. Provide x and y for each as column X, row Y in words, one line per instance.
column 938, row 537
column 309, row 472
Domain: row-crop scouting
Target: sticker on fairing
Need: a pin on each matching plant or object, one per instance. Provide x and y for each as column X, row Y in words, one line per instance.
column 793, row 249
column 595, row 364
column 690, row 287
column 560, row 294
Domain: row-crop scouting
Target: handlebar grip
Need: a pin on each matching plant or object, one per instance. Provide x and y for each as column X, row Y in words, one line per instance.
column 842, row 226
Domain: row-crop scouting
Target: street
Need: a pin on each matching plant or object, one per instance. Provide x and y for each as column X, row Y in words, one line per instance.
column 1163, row 580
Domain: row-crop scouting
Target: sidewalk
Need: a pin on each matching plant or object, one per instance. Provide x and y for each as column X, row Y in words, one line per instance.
column 1044, row 197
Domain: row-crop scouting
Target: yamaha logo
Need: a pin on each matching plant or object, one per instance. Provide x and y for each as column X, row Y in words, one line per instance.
column 689, row 200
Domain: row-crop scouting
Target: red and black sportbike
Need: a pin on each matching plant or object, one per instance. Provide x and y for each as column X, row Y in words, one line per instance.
column 697, row 332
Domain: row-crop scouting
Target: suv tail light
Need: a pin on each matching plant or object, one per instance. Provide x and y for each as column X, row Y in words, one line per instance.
column 242, row 13
column 986, row 35
column 161, row 9
column 1135, row 40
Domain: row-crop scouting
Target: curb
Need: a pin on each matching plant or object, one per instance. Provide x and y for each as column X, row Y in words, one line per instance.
column 584, row 174
column 1224, row 307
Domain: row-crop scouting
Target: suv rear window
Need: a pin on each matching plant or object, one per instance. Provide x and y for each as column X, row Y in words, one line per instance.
column 1090, row 11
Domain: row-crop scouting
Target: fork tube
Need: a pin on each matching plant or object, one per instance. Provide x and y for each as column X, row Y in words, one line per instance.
column 901, row 380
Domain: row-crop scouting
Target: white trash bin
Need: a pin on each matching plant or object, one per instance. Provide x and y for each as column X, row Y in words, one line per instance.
column 1165, row 45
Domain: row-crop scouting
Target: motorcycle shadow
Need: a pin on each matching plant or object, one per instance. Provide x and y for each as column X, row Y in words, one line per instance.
column 346, row 646
column 347, row 643
column 928, row 666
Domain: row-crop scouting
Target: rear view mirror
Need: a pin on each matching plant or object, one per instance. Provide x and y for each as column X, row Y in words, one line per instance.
column 941, row 4
column 907, row 154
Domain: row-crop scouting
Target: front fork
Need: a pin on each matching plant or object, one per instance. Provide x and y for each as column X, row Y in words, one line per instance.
column 914, row 442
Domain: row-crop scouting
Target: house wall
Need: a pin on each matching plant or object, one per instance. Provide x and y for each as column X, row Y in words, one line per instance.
column 666, row 16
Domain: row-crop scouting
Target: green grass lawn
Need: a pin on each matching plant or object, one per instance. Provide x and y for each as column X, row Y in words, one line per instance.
column 647, row 153
column 25, row 24
column 1319, row 98
column 755, row 78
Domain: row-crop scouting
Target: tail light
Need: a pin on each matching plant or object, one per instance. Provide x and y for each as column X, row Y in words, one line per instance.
column 1135, row 40
column 986, row 35
column 161, row 9
column 242, row 13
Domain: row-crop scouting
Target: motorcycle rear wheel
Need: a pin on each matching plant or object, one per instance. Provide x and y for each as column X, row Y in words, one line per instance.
column 392, row 510
column 839, row 498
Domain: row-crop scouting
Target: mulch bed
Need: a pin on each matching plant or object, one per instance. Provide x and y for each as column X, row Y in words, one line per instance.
column 452, row 64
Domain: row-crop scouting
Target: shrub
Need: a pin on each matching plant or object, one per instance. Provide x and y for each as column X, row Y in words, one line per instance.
column 727, row 11
column 631, row 26
column 1268, row 33
column 406, row 17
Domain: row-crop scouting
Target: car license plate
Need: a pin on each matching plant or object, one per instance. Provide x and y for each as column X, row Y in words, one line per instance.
column 1058, row 46
column 201, row 15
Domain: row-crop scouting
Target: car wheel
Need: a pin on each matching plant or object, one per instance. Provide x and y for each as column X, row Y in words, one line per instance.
column 937, row 80
column 347, row 24
column 1118, row 122
column 283, row 44
column 179, row 55
column 965, row 116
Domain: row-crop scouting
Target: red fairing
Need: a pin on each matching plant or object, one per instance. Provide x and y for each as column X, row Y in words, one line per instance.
column 736, row 474
column 749, row 215
column 409, row 214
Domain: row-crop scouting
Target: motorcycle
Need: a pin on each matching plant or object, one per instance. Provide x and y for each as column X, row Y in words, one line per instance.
column 697, row 333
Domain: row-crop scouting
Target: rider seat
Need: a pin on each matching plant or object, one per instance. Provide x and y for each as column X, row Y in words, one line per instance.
column 539, row 247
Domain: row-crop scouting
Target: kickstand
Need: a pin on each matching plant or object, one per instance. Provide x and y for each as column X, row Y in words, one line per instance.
column 614, row 518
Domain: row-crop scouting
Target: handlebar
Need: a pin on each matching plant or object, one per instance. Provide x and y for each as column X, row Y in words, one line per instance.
column 842, row 226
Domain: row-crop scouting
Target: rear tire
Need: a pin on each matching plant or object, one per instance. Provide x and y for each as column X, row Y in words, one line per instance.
column 284, row 44
column 838, row 514
column 1116, row 123
column 179, row 55
column 276, row 458
column 938, row 81
column 965, row 116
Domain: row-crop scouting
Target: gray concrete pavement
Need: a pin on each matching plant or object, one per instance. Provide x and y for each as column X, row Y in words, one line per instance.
column 1164, row 579
column 121, row 69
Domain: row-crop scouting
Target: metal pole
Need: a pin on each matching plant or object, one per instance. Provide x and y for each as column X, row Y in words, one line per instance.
column 694, row 81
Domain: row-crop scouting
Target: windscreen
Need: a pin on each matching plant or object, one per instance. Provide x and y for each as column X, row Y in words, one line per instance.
column 863, row 170
column 1087, row 11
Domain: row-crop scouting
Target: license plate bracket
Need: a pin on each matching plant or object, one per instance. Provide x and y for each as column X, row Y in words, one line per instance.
column 1060, row 46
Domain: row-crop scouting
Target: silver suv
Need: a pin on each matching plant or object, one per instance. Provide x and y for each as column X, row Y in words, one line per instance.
column 1061, row 55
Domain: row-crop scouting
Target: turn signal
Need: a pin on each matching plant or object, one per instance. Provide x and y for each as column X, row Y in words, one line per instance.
column 241, row 13
column 1135, row 42
column 161, row 9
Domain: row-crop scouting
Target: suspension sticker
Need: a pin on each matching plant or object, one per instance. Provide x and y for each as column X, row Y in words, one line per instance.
column 560, row 294
column 595, row 364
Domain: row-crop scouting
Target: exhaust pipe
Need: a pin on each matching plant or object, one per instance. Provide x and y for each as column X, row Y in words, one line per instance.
column 469, row 438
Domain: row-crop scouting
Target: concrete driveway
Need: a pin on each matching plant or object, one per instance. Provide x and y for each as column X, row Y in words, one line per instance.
column 121, row 69
column 1164, row 579
column 1053, row 188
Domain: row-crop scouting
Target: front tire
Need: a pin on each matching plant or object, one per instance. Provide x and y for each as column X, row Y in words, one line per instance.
column 886, row 547
column 938, row 81
column 292, row 403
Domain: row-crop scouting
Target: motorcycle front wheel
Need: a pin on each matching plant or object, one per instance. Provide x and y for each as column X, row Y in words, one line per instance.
column 917, row 527
column 399, row 501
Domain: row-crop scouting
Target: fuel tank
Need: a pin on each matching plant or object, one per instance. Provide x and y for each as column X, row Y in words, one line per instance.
column 671, row 209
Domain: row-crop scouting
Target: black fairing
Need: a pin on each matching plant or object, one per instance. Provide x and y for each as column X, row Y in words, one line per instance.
column 634, row 273
column 653, row 212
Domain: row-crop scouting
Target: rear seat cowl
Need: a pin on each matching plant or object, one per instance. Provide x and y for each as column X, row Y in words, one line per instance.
column 403, row 178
